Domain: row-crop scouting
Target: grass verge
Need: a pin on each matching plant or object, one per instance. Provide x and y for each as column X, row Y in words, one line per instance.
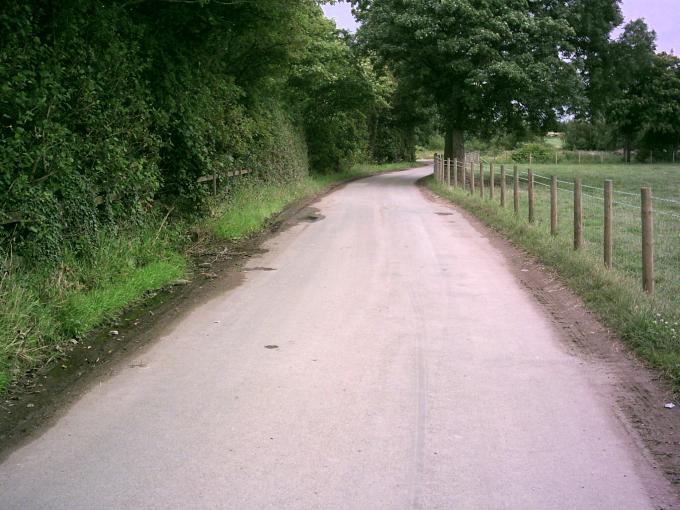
column 252, row 203
column 650, row 326
column 41, row 309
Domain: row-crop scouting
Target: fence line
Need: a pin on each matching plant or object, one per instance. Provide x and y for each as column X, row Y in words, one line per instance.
column 601, row 225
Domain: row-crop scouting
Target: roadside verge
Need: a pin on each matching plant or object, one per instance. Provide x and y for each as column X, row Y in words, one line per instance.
column 209, row 260
column 636, row 392
column 645, row 324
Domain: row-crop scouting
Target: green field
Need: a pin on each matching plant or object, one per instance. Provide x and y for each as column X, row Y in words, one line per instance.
column 627, row 181
column 650, row 324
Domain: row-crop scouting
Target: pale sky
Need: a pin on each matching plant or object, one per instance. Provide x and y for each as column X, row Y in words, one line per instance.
column 663, row 16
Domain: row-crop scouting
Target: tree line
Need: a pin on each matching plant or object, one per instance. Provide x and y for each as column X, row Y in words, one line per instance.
column 515, row 68
column 111, row 111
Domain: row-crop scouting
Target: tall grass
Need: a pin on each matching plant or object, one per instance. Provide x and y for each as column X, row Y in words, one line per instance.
column 42, row 307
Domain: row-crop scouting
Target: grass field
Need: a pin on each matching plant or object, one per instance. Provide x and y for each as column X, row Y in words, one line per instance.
column 627, row 181
column 650, row 324
column 42, row 309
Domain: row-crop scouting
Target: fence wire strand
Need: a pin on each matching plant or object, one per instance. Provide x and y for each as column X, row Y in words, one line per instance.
column 626, row 235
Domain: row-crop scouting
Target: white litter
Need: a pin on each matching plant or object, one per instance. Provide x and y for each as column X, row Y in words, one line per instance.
column 670, row 405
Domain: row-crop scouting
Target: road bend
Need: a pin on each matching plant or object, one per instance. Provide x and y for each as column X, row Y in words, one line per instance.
column 383, row 356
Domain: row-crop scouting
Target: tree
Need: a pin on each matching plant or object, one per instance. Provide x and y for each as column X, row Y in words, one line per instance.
column 634, row 54
column 335, row 92
column 649, row 111
column 484, row 63
column 593, row 22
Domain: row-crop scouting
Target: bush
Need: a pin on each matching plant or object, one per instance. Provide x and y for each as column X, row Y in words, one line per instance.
column 538, row 153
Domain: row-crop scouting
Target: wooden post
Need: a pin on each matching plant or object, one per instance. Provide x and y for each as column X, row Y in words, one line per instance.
column 504, row 189
column 555, row 157
column 579, row 157
column 472, row 178
column 608, row 223
column 647, row 241
column 553, row 205
column 214, row 184
column 530, row 158
column 492, row 182
column 530, row 190
column 463, row 175
column 578, row 215
column 515, row 189
column 481, row 178
column 448, row 172
column 455, row 172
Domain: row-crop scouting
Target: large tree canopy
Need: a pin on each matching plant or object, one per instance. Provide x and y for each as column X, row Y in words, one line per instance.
column 485, row 63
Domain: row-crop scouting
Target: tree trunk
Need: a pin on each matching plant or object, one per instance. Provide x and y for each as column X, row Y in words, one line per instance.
column 454, row 143
column 626, row 149
column 410, row 144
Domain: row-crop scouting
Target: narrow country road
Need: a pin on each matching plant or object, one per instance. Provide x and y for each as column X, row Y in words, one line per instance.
column 412, row 370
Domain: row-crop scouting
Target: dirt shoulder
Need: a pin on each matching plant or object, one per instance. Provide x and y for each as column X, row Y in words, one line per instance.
column 639, row 392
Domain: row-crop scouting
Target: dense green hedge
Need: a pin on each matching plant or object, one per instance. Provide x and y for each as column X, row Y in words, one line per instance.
column 112, row 110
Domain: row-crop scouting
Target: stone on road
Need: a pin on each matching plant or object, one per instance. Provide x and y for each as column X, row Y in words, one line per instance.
column 406, row 368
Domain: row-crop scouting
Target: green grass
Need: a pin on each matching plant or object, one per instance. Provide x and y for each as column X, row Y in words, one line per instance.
column 84, row 310
column 627, row 181
column 42, row 309
column 252, row 203
column 650, row 325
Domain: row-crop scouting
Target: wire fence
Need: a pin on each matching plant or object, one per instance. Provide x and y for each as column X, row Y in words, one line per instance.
column 585, row 157
column 542, row 197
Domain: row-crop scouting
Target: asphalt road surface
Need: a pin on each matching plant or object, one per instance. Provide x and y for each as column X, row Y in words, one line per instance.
column 411, row 370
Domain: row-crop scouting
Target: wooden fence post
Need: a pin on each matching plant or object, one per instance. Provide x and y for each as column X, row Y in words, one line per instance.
column 647, row 241
column 530, row 190
column 215, row 184
column 463, row 175
column 515, row 189
column 578, row 215
column 553, row 205
column 455, row 172
column 448, row 172
column 472, row 178
column 504, row 189
column 608, row 223
column 492, row 182
column 481, row 178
